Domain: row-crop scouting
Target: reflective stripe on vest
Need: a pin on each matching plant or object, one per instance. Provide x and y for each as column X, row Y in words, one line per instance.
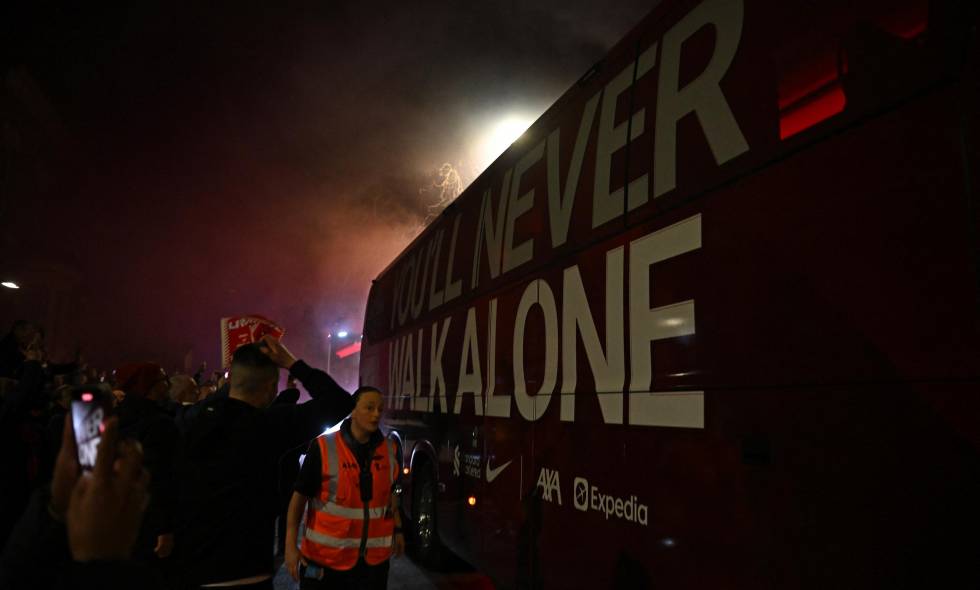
column 337, row 520
column 392, row 464
column 372, row 542
column 333, row 464
column 352, row 513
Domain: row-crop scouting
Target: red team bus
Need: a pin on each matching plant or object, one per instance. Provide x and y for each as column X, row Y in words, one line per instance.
column 713, row 321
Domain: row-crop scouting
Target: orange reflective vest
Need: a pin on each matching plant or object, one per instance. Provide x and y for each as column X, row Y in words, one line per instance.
column 338, row 524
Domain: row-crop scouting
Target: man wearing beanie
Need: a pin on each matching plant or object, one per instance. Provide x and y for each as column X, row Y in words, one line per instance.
column 142, row 417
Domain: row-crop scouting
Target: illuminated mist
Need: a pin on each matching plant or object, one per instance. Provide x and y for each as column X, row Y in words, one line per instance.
column 175, row 164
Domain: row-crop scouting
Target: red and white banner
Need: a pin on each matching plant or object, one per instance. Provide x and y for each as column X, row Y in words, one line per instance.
column 245, row 329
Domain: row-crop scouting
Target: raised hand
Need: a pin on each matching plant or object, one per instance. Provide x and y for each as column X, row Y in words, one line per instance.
column 107, row 504
column 276, row 351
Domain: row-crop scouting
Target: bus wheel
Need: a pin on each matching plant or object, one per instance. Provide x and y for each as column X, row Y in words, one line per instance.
column 425, row 534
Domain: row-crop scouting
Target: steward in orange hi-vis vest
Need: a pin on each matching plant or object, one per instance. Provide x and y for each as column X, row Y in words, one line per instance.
column 344, row 523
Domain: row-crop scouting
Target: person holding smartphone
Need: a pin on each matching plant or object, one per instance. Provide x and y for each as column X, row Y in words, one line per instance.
column 347, row 488
column 80, row 531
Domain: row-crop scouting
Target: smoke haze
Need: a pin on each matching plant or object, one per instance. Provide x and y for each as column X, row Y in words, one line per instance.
column 172, row 164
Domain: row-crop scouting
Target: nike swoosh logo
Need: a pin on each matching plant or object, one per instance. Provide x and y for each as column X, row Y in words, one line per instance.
column 493, row 473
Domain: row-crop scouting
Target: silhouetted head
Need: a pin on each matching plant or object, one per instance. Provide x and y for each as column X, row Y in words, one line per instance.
column 147, row 380
column 183, row 389
column 23, row 332
column 254, row 377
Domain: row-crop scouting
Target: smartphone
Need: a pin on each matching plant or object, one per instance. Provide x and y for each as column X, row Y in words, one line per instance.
column 89, row 411
column 313, row 572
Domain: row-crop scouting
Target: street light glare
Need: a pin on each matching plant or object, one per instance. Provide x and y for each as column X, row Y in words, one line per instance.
column 505, row 132
column 342, row 334
column 10, row 285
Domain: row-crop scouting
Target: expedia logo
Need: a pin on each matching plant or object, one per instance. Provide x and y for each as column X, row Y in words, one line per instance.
column 588, row 497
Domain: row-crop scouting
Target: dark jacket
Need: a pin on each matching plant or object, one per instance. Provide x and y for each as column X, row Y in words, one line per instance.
column 287, row 396
column 288, row 468
column 21, row 446
column 37, row 557
column 149, row 423
column 11, row 357
column 227, row 469
column 36, row 554
column 184, row 415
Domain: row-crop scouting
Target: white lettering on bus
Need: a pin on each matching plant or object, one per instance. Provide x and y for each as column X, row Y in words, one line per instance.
column 648, row 324
column 436, row 296
column 515, row 256
column 496, row 231
column 560, row 202
column 394, row 370
column 405, row 288
column 701, row 96
column 411, row 289
column 407, row 388
column 608, row 368
column 607, row 206
column 489, row 234
column 437, row 380
column 419, row 286
column 537, row 293
column 419, row 403
column 453, row 288
column 497, row 405
column 470, row 381
column 559, row 340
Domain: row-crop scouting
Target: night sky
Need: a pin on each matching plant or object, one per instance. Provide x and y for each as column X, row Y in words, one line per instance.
column 171, row 164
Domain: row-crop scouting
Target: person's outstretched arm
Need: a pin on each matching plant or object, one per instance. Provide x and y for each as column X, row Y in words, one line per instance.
column 316, row 382
column 297, row 424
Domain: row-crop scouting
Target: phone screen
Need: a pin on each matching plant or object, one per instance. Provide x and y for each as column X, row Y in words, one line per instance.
column 88, row 414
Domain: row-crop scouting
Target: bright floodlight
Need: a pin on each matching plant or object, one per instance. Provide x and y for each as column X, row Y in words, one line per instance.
column 501, row 135
column 10, row 285
column 342, row 334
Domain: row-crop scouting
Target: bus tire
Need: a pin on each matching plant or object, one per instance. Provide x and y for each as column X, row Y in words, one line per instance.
column 425, row 533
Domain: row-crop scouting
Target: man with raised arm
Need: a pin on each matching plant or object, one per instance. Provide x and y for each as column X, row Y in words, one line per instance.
column 227, row 466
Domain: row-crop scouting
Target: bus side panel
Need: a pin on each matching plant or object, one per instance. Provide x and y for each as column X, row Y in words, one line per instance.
column 846, row 262
column 810, row 494
column 862, row 274
column 829, row 317
column 565, row 176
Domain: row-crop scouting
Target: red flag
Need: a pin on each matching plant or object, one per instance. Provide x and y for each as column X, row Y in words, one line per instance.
column 244, row 329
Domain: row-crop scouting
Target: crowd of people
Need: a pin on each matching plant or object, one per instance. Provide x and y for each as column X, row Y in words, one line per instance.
column 194, row 477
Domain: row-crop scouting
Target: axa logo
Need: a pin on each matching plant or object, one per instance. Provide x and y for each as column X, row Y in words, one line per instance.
column 548, row 481
column 588, row 497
